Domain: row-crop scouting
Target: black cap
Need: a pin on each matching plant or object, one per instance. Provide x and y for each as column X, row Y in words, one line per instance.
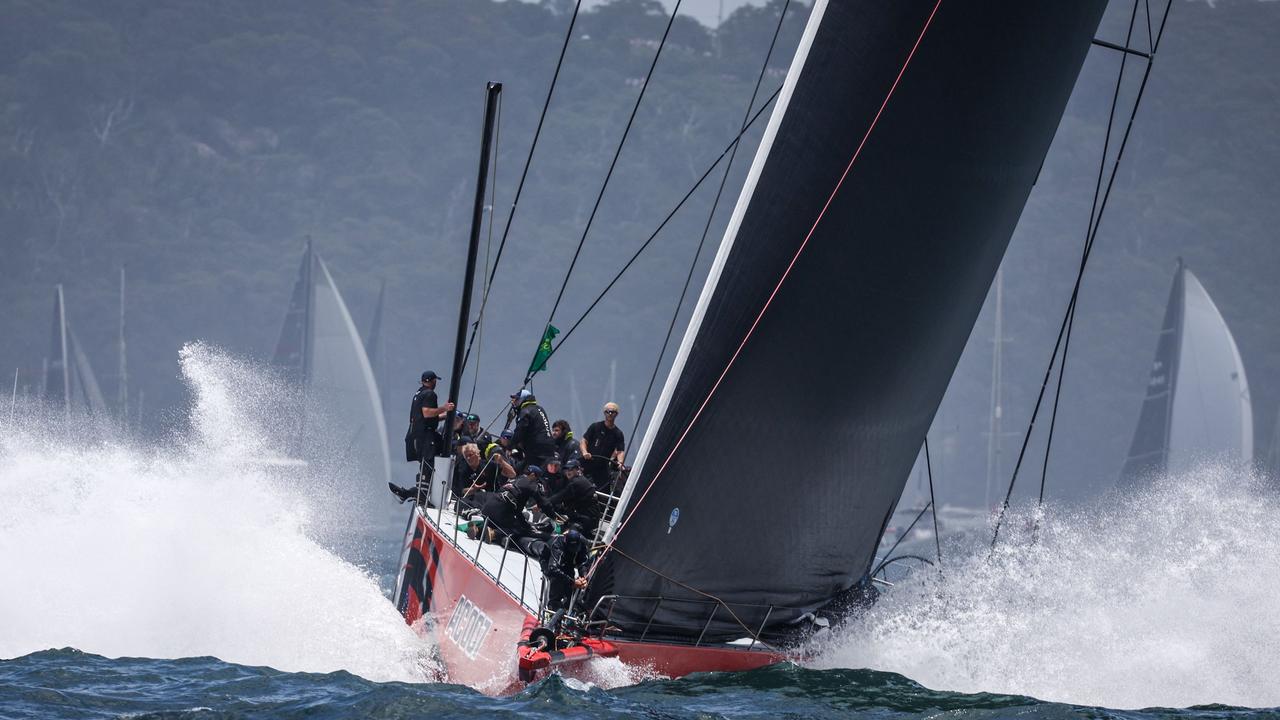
column 570, row 464
column 430, row 375
column 555, row 458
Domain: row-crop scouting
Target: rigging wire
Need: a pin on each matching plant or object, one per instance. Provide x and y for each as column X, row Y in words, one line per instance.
column 493, row 205
column 937, row 539
column 901, row 537
column 751, row 633
column 524, row 174
column 613, row 163
column 645, row 245
column 1093, row 212
column 1084, row 259
column 653, row 235
column 715, row 204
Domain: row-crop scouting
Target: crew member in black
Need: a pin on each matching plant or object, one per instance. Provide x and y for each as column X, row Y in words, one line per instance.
column 424, row 416
column 532, row 429
column 504, row 517
column 471, row 428
column 565, row 561
column 603, row 448
column 506, row 441
column 474, row 474
column 576, row 500
column 552, row 479
column 422, row 441
column 566, row 443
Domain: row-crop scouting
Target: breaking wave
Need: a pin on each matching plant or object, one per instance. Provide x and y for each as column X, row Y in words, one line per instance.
column 1163, row 597
column 209, row 544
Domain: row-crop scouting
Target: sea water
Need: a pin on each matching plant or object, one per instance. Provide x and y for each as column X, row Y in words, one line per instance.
column 201, row 577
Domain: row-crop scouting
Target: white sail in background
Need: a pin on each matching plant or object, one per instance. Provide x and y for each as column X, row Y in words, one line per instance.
column 1197, row 408
column 84, row 384
column 1212, row 417
column 320, row 350
column 69, row 380
column 342, row 379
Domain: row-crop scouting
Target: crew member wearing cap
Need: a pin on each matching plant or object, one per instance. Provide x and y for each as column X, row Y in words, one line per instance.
column 425, row 413
column 471, row 428
column 552, row 479
column 602, row 448
column 422, row 441
column 576, row 500
column 532, row 429
column 565, row 560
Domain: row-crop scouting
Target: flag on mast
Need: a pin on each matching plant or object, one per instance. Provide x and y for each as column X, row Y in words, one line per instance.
column 544, row 350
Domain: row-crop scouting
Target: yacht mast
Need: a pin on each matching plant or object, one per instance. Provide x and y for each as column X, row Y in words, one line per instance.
column 122, row 388
column 997, row 359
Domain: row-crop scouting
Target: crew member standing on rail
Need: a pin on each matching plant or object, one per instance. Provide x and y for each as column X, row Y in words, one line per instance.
column 602, row 446
column 422, row 441
column 532, row 430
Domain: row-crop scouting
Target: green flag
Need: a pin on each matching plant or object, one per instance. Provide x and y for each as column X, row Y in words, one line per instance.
column 544, row 350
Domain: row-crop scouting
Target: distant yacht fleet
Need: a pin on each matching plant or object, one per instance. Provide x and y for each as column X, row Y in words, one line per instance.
column 1197, row 406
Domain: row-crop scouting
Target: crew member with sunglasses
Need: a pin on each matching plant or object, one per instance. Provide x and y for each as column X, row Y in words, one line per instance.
column 603, row 448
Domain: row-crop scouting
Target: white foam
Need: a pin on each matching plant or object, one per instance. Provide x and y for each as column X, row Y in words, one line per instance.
column 195, row 548
column 1167, row 597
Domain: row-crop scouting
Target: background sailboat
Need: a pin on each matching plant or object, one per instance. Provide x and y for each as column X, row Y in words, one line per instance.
column 321, row 350
column 1197, row 407
column 69, row 380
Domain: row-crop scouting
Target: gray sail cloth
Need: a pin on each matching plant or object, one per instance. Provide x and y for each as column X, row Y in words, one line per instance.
column 69, row 380
column 1148, row 452
column 1197, row 408
column 320, row 346
column 863, row 336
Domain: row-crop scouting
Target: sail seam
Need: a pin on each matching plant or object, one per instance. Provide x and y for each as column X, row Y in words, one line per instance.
column 830, row 198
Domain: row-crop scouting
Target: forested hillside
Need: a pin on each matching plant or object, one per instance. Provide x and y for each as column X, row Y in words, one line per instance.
column 200, row 143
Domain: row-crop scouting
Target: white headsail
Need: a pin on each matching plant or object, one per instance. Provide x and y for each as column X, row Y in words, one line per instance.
column 1197, row 407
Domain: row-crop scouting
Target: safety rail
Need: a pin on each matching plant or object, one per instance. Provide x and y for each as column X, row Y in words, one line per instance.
column 734, row 612
column 508, row 546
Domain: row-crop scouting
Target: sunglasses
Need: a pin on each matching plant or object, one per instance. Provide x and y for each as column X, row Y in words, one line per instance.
column 610, row 412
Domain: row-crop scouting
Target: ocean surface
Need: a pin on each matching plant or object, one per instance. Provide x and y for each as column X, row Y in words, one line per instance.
column 71, row 684
column 202, row 577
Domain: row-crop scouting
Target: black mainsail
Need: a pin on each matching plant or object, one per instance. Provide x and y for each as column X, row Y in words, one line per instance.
column 292, row 348
column 843, row 293
column 1197, row 407
column 1149, row 451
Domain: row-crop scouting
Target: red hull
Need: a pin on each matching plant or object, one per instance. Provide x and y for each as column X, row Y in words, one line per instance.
column 477, row 625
